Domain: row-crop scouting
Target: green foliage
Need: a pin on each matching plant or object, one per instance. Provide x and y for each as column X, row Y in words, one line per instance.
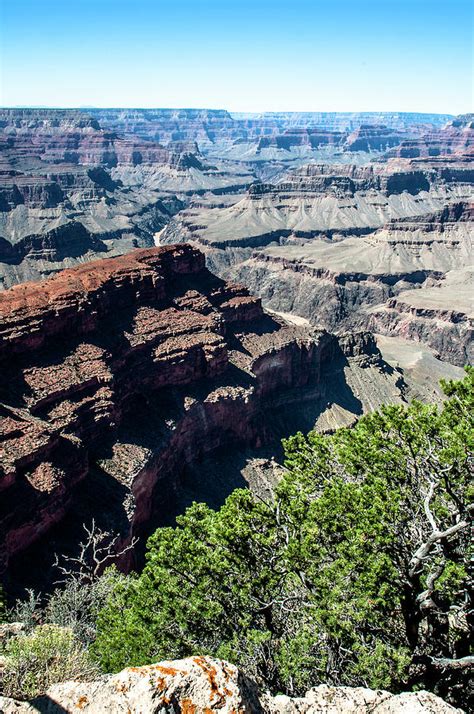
column 47, row 655
column 77, row 604
column 356, row 572
column 379, row 665
column 74, row 605
column 348, row 575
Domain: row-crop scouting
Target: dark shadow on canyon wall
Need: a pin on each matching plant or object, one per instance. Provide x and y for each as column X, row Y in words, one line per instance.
column 210, row 477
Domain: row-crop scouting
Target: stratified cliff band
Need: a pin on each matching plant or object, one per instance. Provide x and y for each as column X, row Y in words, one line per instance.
column 118, row 372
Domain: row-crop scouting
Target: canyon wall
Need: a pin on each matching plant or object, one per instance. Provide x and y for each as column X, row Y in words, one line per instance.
column 385, row 246
column 63, row 175
column 119, row 372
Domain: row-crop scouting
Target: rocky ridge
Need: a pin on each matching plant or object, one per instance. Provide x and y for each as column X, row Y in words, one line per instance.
column 118, row 373
column 219, row 127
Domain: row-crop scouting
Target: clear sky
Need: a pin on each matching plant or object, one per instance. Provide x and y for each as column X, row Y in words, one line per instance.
column 242, row 55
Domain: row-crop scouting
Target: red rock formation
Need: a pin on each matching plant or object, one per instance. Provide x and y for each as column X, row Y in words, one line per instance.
column 150, row 339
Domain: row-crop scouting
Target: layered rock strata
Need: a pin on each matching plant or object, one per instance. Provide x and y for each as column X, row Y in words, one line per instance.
column 338, row 244
column 325, row 201
column 410, row 279
column 61, row 170
column 118, row 373
column 457, row 137
column 207, row 126
column 123, row 173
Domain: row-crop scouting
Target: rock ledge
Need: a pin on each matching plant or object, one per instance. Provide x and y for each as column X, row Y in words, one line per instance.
column 201, row 685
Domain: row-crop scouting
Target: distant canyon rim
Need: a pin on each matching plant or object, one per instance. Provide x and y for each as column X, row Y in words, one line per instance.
column 176, row 284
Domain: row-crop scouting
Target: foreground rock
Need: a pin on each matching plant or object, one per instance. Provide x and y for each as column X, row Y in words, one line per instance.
column 200, row 685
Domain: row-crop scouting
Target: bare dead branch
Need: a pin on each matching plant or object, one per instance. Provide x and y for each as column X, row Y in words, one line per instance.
column 425, row 549
column 97, row 551
column 447, row 663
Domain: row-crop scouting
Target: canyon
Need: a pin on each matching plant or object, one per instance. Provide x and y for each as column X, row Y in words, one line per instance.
column 117, row 373
column 236, row 357
column 384, row 246
column 75, row 185
column 181, row 288
column 124, row 379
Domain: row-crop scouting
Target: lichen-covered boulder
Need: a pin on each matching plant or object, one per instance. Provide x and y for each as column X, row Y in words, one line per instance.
column 357, row 700
column 189, row 686
column 202, row 685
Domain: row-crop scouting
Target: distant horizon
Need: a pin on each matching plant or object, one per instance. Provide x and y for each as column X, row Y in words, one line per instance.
column 126, row 107
column 250, row 56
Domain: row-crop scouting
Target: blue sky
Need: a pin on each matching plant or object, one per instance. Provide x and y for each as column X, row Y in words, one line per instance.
column 246, row 55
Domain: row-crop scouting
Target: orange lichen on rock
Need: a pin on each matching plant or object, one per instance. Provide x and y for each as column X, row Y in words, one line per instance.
column 170, row 671
column 211, row 673
column 187, row 706
column 188, row 692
